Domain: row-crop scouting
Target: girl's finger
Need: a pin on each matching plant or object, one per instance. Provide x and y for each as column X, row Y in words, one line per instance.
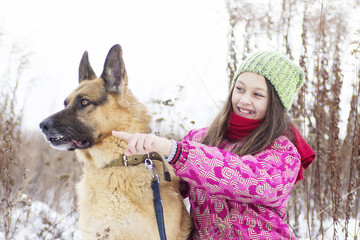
column 148, row 142
column 123, row 135
column 140, row 141
column 132, row 144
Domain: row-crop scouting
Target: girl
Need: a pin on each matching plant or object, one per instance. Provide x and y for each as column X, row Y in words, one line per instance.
column 238, row 173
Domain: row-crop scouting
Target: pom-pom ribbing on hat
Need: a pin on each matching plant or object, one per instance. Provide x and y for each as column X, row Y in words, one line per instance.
column 283, row 74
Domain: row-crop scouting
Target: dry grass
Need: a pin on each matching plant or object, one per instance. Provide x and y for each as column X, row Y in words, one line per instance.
column 330, row 190
column 30, row 170
column 52, row 173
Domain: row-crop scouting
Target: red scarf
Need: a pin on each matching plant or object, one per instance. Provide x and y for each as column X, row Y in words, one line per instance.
column 305, row 151
column 240, row 127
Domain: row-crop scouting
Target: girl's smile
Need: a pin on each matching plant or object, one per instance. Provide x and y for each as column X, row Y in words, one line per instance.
column 245, row 111
column 250, row 96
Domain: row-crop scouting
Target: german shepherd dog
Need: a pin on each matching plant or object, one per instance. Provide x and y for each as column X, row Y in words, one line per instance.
column 116, row 201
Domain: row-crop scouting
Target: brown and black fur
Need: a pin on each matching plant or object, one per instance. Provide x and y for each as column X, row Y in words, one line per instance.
column 116, row 200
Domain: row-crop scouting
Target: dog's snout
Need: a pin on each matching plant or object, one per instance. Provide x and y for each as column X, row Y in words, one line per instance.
column 46, row 124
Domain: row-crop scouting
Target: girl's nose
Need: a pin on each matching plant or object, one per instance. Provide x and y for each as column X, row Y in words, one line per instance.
column 245, row 99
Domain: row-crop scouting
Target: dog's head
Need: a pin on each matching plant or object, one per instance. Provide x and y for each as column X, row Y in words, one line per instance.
column 95, row 108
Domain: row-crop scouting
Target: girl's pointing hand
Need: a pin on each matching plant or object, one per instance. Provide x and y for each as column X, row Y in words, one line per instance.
column 139, row 143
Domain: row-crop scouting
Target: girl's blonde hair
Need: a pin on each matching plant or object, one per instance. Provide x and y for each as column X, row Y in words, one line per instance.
column 276, row 123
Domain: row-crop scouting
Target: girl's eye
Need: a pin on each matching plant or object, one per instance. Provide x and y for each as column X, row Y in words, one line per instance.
column 84, row 102
column 240, row 89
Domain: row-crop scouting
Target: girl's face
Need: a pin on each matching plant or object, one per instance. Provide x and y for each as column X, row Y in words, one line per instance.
column 250, row 97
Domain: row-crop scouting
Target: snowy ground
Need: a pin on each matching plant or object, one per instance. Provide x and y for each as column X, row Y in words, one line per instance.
column 328, row 226
column 38, row 221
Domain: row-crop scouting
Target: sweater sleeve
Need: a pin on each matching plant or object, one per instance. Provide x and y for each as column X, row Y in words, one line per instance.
column 264, row 178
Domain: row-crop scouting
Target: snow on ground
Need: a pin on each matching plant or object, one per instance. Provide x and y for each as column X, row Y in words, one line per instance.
column 38, row 221
column 328, row 226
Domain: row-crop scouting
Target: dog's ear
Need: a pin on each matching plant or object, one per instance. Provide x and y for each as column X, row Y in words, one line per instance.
column 85, row 70
column 114, row 73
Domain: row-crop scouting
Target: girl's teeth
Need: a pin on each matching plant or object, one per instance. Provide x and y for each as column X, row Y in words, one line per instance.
column 245, row 111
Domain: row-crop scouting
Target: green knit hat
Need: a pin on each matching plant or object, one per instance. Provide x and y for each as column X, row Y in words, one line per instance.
column 283, row 74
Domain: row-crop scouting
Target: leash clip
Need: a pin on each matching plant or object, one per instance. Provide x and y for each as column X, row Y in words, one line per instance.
column 156, row 178
column 149, row 164
column 125, row 160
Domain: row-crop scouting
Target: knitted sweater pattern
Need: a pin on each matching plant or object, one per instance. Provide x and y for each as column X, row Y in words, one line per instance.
column 237, row 197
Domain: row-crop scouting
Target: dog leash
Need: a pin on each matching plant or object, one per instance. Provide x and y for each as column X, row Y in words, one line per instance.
column 148, row 159
column 157, row 199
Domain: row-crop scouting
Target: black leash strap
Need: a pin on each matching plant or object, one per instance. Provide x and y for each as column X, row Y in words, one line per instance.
column 158, row 209
column 156, row 191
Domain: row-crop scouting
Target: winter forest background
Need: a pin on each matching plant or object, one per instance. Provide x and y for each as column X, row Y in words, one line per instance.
column 37, row 195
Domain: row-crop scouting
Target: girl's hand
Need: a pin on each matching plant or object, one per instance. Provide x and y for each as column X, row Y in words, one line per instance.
column 139, row 143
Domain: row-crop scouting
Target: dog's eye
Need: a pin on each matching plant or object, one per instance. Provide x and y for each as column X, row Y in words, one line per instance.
column 84, row 102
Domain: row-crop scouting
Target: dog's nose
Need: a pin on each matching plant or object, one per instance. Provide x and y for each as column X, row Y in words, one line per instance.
column 46, row 124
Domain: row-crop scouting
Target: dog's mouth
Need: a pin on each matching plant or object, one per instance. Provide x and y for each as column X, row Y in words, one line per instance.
column 64, row 137
column 63, row 143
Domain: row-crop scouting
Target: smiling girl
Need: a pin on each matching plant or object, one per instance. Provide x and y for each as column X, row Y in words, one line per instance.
column 238, row 173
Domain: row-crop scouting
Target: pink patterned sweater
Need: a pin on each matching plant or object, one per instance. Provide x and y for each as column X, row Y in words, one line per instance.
column 237, row 197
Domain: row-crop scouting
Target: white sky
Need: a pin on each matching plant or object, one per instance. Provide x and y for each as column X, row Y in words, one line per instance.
column 165, row 43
